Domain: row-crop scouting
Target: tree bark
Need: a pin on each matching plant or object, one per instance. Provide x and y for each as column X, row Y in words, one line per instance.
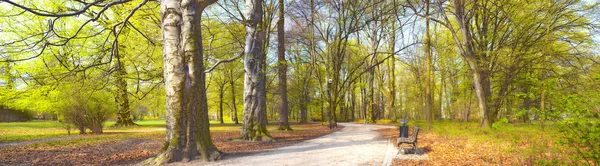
column 283, row 108
column 428, row 87
column 188, row 134
column 121, row 98
column 254, row 127
column 392, row 75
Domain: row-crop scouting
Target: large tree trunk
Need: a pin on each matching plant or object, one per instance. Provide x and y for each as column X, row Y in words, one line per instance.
column 371, row 92
column 365, row 102
column 428, row 87
column 121, row 98
column 187, row 112
column 283, row 108
column 303, row 104
column 254, row 120
column 392, row 75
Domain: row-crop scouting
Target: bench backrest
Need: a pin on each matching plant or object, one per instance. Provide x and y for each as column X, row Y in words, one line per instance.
column 415, row 133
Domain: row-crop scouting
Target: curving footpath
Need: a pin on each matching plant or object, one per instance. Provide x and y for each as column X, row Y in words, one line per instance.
column 356, row 144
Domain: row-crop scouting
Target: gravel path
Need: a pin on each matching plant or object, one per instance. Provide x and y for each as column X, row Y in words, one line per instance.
column 356, row 144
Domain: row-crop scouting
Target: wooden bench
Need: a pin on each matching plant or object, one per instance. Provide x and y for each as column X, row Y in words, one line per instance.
column 410, row 140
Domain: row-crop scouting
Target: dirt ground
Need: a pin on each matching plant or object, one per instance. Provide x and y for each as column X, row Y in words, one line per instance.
column 135, row 149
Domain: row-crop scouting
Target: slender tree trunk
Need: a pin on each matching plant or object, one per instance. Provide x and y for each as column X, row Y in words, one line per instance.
column 221, row 91
column 353, row 102
column 234, row 105
column 442, row 87
column 283, row 108
column 254, row 127
column 542, row 106
column 187, row 112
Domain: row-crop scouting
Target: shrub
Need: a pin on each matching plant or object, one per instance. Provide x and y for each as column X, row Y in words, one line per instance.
column 87, row 112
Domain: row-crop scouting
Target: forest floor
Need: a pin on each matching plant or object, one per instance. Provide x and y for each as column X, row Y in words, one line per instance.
column 41, row 143
column 355, row 144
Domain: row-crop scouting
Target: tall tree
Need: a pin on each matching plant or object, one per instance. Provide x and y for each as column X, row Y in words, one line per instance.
column 428, row 73
column 283, row 108
column 254, row 121
column 188, row 134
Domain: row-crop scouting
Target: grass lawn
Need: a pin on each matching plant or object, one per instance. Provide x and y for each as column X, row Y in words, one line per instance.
column 21, row 131
column 34, row 130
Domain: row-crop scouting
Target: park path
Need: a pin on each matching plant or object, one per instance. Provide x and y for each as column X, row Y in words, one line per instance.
column 355, row 144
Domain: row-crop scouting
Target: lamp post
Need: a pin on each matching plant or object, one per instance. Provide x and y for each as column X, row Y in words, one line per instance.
column 330, row 102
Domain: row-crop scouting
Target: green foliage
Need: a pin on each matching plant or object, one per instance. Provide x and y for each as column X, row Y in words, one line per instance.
column 581, row 128
column 500, row 124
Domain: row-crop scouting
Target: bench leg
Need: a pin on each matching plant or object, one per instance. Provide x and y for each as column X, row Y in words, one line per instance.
column 415, row 149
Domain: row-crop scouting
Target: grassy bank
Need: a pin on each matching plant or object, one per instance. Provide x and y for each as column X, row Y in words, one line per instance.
column 466, row 143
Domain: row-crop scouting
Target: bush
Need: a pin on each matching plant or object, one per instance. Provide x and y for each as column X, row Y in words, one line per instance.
column 87, row 112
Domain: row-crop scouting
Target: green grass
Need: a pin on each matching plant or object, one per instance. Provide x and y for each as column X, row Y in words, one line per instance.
column 473, row 130
column 96, row 139
column 34, row 130
column 22, row 131
column 31, row 124
column 511, row 136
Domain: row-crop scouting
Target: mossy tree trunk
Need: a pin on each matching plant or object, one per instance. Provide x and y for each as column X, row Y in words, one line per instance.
column 121, row 98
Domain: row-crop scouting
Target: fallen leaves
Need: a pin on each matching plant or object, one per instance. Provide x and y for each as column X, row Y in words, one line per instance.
column 131, row 148
column 445, row 150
